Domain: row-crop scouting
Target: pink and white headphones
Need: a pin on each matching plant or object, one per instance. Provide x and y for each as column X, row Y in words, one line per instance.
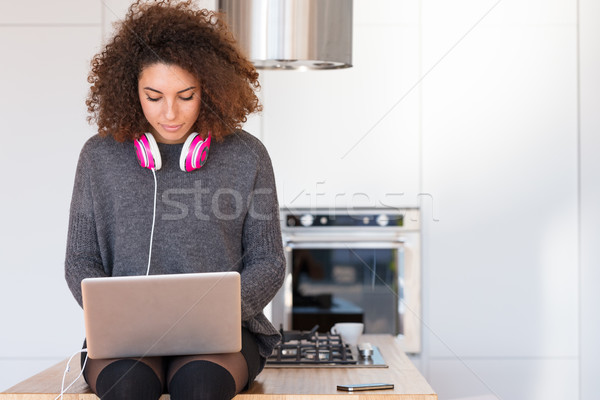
column 193, row 154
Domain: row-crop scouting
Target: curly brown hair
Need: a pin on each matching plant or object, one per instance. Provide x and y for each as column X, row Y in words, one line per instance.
column 174, row 33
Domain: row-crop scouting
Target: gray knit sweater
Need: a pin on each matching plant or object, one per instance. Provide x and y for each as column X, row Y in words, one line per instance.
column 221, row 217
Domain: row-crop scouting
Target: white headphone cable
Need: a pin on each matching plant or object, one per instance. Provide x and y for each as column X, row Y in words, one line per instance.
column 153, row 221
column 63, row 389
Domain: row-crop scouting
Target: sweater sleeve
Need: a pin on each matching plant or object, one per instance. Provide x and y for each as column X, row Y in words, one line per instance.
column 264, row 262
column 83, row 259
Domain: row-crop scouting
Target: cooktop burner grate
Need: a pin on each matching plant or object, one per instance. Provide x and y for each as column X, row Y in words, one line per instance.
column 312, row 349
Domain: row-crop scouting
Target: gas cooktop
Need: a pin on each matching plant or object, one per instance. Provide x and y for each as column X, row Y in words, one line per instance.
column 312, row 349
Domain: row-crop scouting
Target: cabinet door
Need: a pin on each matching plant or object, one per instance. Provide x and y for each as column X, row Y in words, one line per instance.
column 348, row 137
column 50, row 12
column 500, row 158
column 44, row 86
column 514, row 379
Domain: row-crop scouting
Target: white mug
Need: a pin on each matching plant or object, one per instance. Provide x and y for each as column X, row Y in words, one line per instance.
column 349, row 331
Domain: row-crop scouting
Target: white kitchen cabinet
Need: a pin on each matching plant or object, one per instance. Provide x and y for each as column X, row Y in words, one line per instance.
column 56, row 12
column 386, row 12
column 500, row 158
column 44, row 127
column 348, row 138
column 514, row 379
column 589, row 62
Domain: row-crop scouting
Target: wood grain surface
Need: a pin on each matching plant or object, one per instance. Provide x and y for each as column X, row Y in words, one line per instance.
column 272, row 383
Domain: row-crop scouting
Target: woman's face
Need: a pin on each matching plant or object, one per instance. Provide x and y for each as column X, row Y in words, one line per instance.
column 170, row 99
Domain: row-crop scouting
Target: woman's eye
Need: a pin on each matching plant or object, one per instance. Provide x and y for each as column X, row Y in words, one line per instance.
column 153, row 98
column 187, row 98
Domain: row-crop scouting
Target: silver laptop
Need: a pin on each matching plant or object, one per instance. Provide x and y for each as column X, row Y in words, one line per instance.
column 158, row 315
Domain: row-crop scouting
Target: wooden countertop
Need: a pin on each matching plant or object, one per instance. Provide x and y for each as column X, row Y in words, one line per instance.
column 272, row 383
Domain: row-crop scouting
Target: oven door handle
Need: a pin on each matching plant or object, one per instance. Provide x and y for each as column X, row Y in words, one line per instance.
column 343, row 244
column 366, row 237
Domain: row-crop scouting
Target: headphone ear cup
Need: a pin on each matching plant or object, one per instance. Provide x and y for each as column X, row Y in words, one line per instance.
column 194, row 152
column 147, row 152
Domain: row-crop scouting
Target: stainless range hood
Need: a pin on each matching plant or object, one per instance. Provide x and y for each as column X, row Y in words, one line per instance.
column 292, row 34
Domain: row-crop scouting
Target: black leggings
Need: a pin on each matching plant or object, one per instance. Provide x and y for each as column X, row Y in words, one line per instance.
column 131, row 379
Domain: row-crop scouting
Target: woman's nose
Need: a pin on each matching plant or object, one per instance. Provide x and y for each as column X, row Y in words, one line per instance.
column 171, row 110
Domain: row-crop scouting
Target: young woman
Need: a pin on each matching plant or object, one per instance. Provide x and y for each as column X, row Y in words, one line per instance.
column 170, row 84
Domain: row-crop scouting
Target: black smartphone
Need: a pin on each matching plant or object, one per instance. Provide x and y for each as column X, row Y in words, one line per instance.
column 365, row 386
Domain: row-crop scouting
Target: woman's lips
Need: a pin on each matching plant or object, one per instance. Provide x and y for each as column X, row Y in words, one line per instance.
column 171, row 128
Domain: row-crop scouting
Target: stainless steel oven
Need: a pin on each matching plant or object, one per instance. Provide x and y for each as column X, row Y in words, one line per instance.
column 360, row 265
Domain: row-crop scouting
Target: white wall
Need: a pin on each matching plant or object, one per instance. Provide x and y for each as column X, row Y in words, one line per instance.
column 474, row 102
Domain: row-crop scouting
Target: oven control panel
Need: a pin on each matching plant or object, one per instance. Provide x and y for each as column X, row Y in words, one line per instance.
column 346, row 220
